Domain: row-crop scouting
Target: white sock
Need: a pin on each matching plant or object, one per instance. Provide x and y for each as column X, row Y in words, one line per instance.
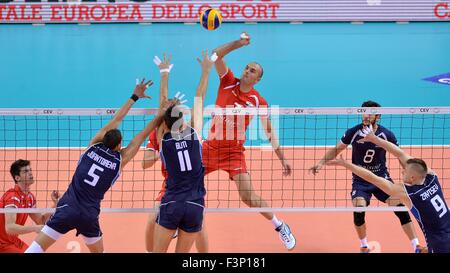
column 276, row 222
column 34, row 248
column 363, row 242
column 414, row 243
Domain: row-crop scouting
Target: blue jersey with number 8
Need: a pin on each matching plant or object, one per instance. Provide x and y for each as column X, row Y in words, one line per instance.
column 367, row 154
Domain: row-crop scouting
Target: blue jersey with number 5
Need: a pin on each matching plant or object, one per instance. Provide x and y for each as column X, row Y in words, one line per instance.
column 97, row 170
column 431, row 212
column 182, row 157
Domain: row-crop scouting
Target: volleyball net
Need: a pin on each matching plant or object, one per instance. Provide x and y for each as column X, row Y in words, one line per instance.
column 53, row 140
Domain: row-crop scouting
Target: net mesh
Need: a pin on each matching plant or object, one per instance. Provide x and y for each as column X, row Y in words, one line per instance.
column 53, row 140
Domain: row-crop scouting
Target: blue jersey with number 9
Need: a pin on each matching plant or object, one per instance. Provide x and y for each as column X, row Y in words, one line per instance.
column 431, row 212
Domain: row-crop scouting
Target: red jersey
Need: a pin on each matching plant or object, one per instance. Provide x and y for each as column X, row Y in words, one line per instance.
column 15, row 198
column 230, row 96
column 152, row 144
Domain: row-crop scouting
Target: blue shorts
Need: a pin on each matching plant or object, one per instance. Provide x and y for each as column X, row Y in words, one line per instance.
column 67, row 217
column 185, row 215
column 364, row 189
column 438, row 243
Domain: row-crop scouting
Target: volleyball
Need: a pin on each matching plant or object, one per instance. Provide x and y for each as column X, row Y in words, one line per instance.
column 210, row 19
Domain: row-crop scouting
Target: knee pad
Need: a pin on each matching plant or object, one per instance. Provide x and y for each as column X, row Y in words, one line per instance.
column 359, row 218
column 403, row 216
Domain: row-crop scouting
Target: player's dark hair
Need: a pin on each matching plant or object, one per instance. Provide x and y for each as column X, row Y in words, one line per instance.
column 172, row 115
column 370, row 103
column 418, row 165
column 112, row 138
column 16, row 166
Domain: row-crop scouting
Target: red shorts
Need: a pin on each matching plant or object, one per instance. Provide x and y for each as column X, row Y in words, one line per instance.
column 161, row 192
column 13, row 248
column 227, row 158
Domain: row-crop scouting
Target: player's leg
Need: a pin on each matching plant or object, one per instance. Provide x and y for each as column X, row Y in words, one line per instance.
column 405, row 222
column 360, row 222
column 161, row 238
column 94, row 244
column 89, row 228
column 201, row 243
column 185, row 241
column 190, row 225
column 166, row 225
column 251, row 199
column 248, row 195
column 43, row 241
column 150, row 228
column 361, row 194
column 59, row 223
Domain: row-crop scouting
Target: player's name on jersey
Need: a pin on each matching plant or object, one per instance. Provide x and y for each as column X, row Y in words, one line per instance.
column 102, row 161
column 428, row 193
column 181, row 145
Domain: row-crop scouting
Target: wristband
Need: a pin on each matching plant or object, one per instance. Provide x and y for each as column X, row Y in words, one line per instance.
column 134, row 97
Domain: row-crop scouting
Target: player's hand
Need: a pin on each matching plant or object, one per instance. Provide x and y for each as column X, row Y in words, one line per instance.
column 315, row 169
column 55, row 196
column 166, row 105
column 37, row 228
column 368, row 134
column 244, row 39
column 164, row 65
column 287, row 169
column 140, row 88
column 206, row 63
column 337, row 162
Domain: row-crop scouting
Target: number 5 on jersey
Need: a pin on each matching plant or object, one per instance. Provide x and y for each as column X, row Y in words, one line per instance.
column 94, row 176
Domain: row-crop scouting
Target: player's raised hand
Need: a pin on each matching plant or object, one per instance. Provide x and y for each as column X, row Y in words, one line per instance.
column 368, row 134
column 164, row 65
column 166, row 105
column 244, row 39
column 140, row 88
column 206, row 63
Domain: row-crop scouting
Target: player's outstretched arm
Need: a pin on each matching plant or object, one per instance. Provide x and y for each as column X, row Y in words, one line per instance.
column 223, row 50
column 139, row 92
column 388, row 146
column 392, row 189
column 275, row 143
column 197, row 112
column 131, row 150
column 329, row 155
column 164, row 69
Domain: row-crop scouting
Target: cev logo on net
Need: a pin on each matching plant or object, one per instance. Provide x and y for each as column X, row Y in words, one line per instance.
column 442, row 11
column 373, row 2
